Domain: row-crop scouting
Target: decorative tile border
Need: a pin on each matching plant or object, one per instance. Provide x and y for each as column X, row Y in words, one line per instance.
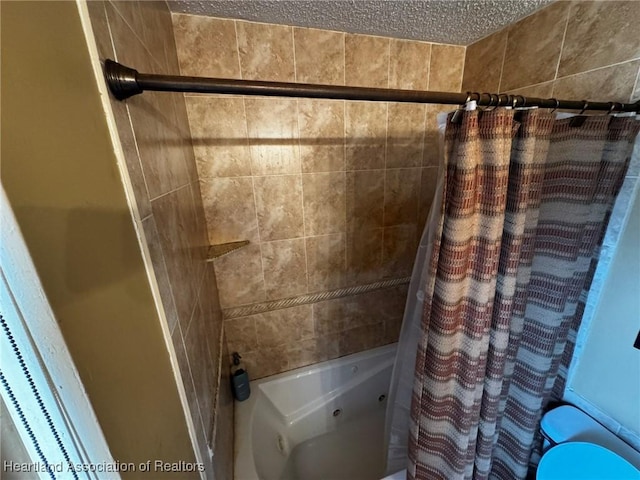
column 236, row 312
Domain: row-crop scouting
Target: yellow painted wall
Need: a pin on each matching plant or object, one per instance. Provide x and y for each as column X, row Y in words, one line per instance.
column 60, row 173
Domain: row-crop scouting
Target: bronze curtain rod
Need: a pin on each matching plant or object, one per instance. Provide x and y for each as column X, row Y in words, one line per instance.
column 124, row 82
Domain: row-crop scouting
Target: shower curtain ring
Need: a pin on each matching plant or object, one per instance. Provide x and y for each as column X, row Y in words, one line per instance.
column 491, row 97
column 557, row 104
column 457, row 115
column 585, row 105
column 612, row 107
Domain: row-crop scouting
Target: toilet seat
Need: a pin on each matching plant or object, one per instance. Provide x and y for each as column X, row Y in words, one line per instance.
column 584, row 461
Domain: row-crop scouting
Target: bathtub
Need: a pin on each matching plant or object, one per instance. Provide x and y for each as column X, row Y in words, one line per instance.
column 321, row 422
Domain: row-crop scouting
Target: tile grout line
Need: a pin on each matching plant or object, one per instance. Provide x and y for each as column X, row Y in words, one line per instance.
column 253, row 185
column 302, row 209
column 173, row 190
column 386, row 148
column 430, row 69
column 564, row 36
column 235, row 29
column 597, row 68
column 504, row 58
column 421, row 166
column 293, row 48
column 344, row 58
column 464, row 63
column 133, row 31
column 299, row 173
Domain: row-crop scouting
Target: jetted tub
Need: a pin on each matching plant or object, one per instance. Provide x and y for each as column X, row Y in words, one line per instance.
column 321, row 422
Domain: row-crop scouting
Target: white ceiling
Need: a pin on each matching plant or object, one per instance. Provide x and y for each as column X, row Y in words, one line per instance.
column 459, row 22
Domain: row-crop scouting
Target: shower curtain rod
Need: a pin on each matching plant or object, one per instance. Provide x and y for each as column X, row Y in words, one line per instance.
column 124, row 82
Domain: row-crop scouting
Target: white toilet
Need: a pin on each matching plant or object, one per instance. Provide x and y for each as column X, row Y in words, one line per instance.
column 577, row 447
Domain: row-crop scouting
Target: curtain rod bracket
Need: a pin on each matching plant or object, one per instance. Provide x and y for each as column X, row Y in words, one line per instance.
column 122, row 81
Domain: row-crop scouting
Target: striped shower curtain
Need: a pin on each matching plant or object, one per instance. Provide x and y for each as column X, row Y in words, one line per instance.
column 525, row 204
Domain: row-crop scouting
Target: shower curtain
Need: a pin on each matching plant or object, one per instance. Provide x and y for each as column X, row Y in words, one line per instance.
column 498, row 288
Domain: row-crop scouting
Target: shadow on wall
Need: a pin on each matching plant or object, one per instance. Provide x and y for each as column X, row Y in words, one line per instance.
column 81, row 245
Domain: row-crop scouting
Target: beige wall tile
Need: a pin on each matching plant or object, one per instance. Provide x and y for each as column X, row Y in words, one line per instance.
column 392, row 329
column 391, row 303
column 240, row 278
column 326, row 261
column 202, row 365
column 366, row 61
column 613, row 84
column 600, row 34
column 172, row 216
column 409, row 64
column 159, row 143
column 365, row 131
column 319, row 56
column 183, row 364
column 531, row 57
column 284, row 327
column 401, row 191
column 160, row 148
column 160, row 271
column 636, row 94
column 324, row 202
column 131, row 13
column 209, row 300
column 100, row 27
column 132, row 158
column 183, row 137
column 364, row 255
column 341, row 314
column 157, row 35
column 127, row 39
column 431, row 156
column 272, row 125
column 446, row 67
column 541, row 90
column 321, row 124
column 219, row 133
column 201, row 232
column 206, row 46
column 230, row 210
column 266, row 51
column 311, row 351
column 428, row 185
column 361, row 338
column 279, row 206
column 405, row 135
column 263, row 363
column 483, row 63
column 364, row 198
column 399, row 250
column 241, row 334
column 285, row 270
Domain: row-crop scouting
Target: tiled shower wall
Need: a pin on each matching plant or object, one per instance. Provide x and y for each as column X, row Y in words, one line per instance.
column 330, row 194
column 154, row 133
column 571, row 50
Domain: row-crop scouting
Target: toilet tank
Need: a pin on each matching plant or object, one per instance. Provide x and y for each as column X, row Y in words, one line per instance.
column 569, row 424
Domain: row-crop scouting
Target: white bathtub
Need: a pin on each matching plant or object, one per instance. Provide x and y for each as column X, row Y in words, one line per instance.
column 320, row 422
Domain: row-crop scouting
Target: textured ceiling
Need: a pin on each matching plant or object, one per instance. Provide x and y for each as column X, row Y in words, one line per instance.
column 460, row 22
